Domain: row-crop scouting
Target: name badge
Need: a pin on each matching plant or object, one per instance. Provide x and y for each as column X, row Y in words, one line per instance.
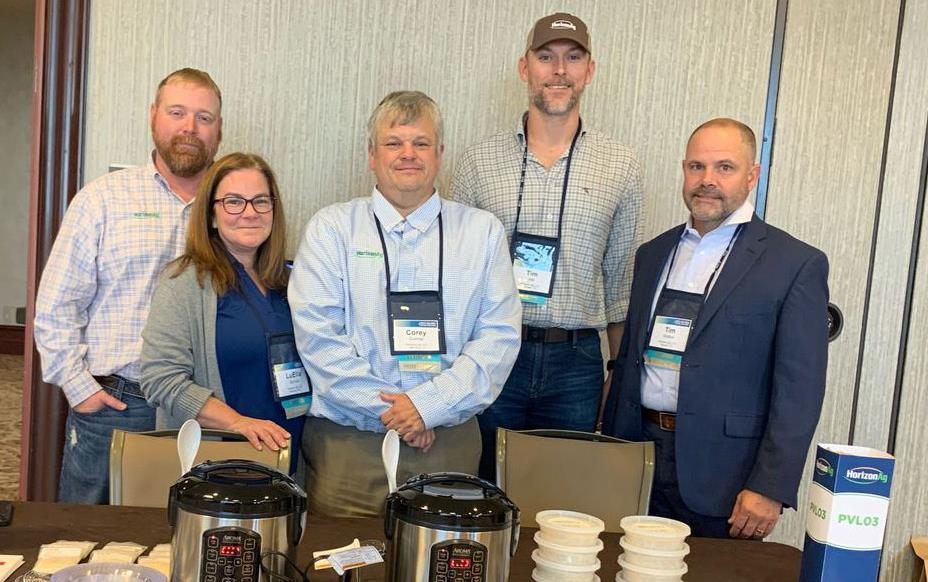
column 670, row 333
column 289, row 379
column 424, row 363
column 534, row 262
column 412, row 335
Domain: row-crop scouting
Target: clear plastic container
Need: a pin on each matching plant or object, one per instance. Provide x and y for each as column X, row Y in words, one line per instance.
column 570, row 555
column 548, row 570
column 542, row 578
column 105, row 572
column 569, row 528
column 654, row 533
column 657, row 559
column 634, row 573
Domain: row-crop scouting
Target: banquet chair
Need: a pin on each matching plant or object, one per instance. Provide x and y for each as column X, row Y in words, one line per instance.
column 144, row 465
column 578, row 471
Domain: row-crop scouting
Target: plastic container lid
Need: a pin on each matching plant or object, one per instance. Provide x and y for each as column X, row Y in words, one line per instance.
column 538, row 576
column 571, row 523
column 633, row 572
column 579, row 555
column 657, row 532
column 571, row 568
column 104, row 572
column 669, row 554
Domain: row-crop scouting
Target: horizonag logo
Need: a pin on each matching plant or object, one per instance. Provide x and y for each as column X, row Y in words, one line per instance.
column 824, row 467
column 866, row 475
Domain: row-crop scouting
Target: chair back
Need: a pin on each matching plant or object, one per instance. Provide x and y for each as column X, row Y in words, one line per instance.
column 577, row 471
column 144, row 465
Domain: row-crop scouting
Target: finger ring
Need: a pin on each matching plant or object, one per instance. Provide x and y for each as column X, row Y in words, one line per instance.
column 759, row 533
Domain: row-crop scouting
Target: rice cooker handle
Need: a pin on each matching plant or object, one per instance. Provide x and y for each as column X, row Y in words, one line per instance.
column 243, row 465
column 389, row 518
column 514, row 533
column 457, row 478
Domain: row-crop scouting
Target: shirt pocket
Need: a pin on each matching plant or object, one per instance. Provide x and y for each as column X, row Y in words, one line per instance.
column 745, row 425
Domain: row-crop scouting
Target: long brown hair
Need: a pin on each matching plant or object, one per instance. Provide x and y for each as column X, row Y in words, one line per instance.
column 206, row 252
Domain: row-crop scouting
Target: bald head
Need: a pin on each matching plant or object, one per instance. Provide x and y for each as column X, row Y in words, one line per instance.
column 747, row 135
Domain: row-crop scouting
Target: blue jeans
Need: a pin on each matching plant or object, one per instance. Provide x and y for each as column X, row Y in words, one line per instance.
column 666, row 500
column 553, row 385
column 85, row 466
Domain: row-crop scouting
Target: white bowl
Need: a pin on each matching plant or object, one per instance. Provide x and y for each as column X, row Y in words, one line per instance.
column 564, row 572
column 635, row 573
column 570, row 555
column 657, row 559
column 538, row 577
column 569, row 528
column 105, row 572
column 654, row 533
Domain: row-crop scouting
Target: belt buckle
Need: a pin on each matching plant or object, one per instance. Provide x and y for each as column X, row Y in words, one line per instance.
column 667, row 421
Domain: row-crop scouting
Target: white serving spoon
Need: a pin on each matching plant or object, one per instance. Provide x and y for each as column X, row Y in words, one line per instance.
column 390, row 451
column 188, row 443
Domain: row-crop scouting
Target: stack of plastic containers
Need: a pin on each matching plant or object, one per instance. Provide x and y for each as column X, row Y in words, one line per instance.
column 568, row 543
column 653, row 549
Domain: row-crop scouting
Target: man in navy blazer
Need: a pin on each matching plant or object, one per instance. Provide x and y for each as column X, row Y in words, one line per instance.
column 723, row 362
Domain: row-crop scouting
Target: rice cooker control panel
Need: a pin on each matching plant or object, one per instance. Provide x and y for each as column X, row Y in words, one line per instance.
column 458, row 561
column 230, row 554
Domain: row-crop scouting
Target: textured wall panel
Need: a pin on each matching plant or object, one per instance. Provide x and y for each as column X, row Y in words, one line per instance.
column 837, row 67
column 300, row 78
column 908, row 510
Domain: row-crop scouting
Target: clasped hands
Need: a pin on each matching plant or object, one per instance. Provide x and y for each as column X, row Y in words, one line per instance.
column 404, row 418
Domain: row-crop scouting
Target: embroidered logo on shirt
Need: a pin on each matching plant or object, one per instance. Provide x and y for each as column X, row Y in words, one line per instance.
column 368, row 254
column 146, row 214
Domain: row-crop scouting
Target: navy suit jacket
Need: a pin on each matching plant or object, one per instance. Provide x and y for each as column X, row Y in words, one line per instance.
column 752, row 379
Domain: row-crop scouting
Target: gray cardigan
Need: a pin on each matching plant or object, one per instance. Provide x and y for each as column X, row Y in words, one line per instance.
column 179, row 367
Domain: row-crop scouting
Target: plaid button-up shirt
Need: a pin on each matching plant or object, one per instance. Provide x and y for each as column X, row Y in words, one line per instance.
column 117, row 235
column 602, row 218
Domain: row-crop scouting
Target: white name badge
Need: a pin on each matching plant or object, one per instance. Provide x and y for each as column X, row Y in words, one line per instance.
column 670, row 333
column 291, row 379
column 413, row 335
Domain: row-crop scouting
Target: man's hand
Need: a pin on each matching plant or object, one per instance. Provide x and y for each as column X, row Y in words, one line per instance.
column 402, row 415
column 420, row 440
column 754, row 515
column 99, row 400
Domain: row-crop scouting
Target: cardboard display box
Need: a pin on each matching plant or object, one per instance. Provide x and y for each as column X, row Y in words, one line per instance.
column 846, row 517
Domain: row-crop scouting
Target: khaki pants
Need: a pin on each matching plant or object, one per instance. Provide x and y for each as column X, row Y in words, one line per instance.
column 344, row 469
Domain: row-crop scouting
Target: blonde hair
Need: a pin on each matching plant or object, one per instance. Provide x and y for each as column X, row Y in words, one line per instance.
column 403, row 108
column 206, row 252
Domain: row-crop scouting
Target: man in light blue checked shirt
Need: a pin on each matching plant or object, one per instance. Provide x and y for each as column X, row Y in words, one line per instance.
column 117, row 235
column 406, row 316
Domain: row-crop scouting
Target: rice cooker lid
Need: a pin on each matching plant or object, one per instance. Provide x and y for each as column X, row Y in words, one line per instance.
column 454, row 501
column 237, row 489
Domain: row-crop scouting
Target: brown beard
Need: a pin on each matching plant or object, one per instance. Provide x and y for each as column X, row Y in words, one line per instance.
column 182, row 161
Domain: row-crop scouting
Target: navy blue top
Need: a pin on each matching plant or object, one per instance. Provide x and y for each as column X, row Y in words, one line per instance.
column 241, row 352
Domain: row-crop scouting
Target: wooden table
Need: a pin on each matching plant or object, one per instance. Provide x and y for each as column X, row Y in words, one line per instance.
column 40, row 523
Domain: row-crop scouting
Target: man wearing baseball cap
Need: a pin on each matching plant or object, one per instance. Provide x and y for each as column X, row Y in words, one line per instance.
column 570, row 200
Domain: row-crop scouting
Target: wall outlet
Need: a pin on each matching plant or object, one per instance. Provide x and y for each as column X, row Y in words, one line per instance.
column 12, row 315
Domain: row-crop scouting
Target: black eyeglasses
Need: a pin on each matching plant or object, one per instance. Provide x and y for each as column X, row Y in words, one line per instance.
column 237, row 204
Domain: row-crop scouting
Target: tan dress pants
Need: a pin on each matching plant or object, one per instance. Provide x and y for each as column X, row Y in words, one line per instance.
column 344, row 470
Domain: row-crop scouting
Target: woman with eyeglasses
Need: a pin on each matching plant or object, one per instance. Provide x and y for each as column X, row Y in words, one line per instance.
column 218, row 345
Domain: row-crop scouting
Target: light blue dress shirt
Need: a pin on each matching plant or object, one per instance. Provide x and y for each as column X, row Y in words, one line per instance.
column 697, row 257
column 338, row 299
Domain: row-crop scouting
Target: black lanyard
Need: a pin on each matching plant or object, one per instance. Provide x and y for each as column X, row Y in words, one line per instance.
column 570, row 155
column 441, row 252
column 718, row 265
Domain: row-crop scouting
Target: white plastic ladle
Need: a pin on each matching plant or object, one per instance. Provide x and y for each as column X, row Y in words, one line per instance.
column 390, row 451
column 188, row 443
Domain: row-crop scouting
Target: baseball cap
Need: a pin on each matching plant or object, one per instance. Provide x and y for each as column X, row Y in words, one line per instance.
column 558, row 26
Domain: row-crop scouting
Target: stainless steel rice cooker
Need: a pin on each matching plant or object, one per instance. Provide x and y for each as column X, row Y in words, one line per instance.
column 446, row 527
column 226, row 515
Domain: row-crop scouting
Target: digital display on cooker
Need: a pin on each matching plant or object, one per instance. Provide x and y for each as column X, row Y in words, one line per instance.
column 230, row 550
column 459, row 563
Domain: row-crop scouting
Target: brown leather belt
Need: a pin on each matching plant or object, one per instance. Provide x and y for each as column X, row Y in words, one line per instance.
column 550, row 335
column 118, row 385
column 665, row 420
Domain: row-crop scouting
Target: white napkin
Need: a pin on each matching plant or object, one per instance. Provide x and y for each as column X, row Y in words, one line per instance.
column 9, row 564
column 53, row 558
